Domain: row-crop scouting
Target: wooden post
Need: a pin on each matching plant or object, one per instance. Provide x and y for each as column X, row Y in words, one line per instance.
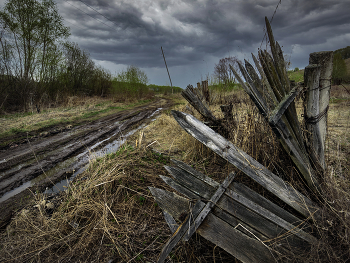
column 205, row 91
column 172, row 90
column 318, row 81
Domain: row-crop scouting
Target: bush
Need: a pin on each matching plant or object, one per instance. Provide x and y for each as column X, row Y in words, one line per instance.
column 131, row 84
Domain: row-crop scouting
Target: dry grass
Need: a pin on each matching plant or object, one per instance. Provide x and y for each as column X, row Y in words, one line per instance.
column 109, row 214
column 74, row 109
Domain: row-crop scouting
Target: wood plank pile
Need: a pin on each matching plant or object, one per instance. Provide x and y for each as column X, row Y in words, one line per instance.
column 231, row 215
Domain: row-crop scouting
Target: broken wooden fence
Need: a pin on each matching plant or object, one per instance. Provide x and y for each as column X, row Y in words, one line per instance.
column 234, row 217
column 242, row 222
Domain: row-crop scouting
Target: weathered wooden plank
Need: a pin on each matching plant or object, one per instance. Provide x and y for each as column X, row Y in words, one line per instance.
column 242, row 190
column 170, row 221
column 258, row 99
column 248, row 213
column 267, row 87
column 190, row 182
column 283, row 105
column 221, row 189
column 181, row 230
column 268, row 74
column 279, row 64
column 224, row 215
column 239, row 245
column 172, row 203
column 272, row 217
column 179, row 188
column 246, row 192
column 195, row 173
column 198, row 104
column 236, row 243
column 246, row 163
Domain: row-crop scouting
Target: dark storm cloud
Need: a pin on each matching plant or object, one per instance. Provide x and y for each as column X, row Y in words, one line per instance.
column 196, row 34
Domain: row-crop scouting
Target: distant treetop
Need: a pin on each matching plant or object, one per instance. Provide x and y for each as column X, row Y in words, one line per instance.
column 344, row 52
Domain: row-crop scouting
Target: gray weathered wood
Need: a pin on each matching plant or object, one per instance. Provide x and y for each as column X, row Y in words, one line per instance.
column 246, row 163
column 236, row 243
column 219, row 232
column 198, row 104
column 272, row 217
column 251, row 213
column 287, row 128
column 170, row 221
column 181, row 230
column 283, row 105
column 170, row 202
column 239, row 188
column 221, row 189
column 318, row 79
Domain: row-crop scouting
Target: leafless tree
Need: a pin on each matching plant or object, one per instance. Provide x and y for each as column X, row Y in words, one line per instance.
column 222, row 70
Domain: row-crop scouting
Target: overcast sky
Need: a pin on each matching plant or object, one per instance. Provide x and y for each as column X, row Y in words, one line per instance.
column 195, row 34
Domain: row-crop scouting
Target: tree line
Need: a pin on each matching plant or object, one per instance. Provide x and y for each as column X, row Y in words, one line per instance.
column 38, row 65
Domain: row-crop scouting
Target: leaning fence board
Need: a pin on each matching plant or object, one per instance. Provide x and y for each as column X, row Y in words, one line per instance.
column 239, row 188
column 239, row 245
column 246, row 164
column 249, row 212
column 197, row 104
column 219, row 232
column 180, row 232
column 197, row 222
column 283, row 105
column 233, row 221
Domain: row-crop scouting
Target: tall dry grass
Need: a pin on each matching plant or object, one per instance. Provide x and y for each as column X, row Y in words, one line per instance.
column 108, row 214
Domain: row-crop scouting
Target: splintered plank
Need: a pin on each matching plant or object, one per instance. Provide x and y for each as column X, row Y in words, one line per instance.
column 214, row 229
column 233, row 241
column 246, row 164
column 283, row 105
column 209, row 206
column 180, row 232
column 238, row 188
column 245, row 210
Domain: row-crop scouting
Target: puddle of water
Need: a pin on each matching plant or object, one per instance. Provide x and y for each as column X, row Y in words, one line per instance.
column 80, row 162
column 88, row 155
column 15, row 191
column 60, row 186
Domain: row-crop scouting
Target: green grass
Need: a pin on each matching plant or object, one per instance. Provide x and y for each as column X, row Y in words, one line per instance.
column 338, row 100
column 25, row 122
column 297, row 76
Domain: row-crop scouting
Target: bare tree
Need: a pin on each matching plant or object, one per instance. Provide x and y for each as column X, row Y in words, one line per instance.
column 222, row 70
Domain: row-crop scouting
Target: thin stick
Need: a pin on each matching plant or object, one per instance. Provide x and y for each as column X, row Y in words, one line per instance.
column 172, row 91
column 143, row 250
column 112, row 214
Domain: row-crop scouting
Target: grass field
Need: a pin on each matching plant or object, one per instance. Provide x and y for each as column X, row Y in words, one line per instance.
column 77, row 109
column 109, row 213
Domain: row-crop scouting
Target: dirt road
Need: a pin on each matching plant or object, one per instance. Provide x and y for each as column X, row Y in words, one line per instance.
column 25, row 160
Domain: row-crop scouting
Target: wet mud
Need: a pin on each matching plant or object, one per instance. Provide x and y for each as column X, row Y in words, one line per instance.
column 40, row 161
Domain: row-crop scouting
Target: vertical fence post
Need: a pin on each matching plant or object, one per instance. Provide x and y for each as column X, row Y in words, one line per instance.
column 318, row 82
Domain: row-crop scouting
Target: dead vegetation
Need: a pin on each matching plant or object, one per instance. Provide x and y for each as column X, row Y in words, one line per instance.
column 109, row 215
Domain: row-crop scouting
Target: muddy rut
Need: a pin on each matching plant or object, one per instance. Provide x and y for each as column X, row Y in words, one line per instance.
column 29, row 159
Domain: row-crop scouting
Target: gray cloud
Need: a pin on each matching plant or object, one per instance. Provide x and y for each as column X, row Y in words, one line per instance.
column 195, row 34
